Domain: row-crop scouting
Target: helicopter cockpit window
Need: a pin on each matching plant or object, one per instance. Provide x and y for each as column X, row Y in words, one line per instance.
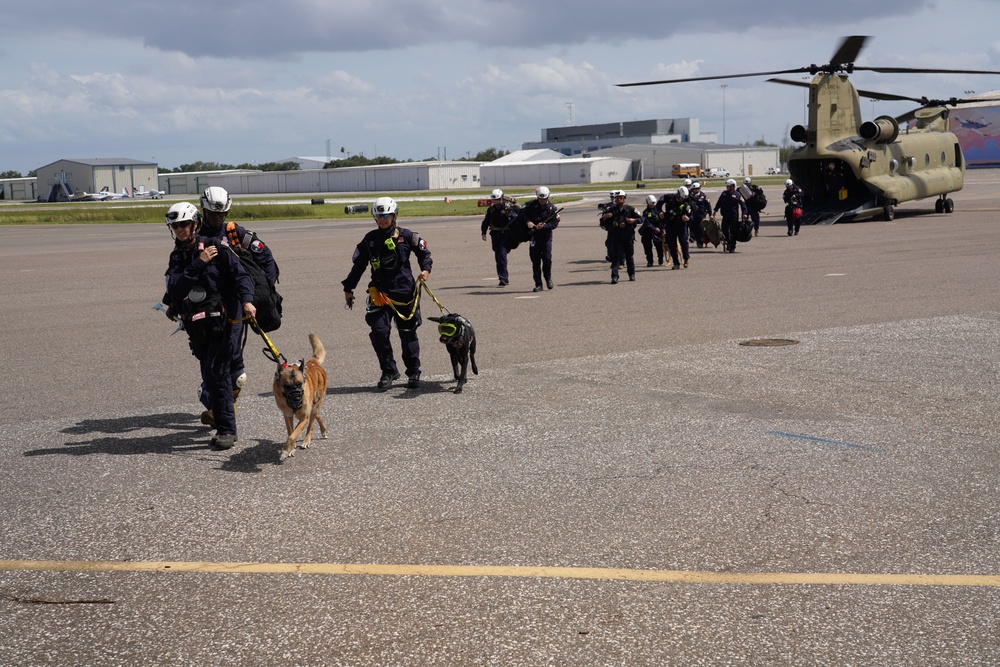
column 893, row 166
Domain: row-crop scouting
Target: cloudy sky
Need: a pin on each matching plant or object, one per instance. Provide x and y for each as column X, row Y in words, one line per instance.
column 237, row 81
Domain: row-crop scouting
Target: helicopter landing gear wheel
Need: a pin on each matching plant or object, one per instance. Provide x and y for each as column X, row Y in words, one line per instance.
column 949, row 205
column 939, row 206
column 888, row 212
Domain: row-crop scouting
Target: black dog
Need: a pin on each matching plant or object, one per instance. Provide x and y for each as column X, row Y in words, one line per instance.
column 460, row 338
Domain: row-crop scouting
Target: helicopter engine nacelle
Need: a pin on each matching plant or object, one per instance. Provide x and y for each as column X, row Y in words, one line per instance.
column 798, row 134
column 883, row 130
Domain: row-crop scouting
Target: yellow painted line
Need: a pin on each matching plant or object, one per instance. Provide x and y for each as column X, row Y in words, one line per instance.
column 608, row 574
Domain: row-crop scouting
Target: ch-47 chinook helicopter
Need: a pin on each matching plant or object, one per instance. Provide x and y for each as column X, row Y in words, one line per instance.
column 850, row 168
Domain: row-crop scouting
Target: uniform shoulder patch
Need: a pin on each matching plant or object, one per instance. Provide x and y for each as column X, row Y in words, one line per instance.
column 257, row 245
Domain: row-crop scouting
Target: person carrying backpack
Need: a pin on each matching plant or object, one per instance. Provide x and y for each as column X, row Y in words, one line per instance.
column 215, row 205
column 209, row 290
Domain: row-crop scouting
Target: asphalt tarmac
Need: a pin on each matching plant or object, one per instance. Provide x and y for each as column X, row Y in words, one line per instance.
column 623, row 483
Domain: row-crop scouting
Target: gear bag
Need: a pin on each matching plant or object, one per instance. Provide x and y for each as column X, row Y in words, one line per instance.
column 758, row 202
column 266, row 299
column 204, row 316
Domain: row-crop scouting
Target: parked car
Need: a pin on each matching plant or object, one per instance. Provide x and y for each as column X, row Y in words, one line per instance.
column 773, row 170
column 717, row 172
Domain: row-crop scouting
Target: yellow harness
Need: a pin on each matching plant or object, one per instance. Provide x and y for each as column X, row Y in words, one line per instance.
column 381, row 299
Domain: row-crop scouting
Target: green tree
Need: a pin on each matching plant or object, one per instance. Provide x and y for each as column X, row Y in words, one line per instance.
column 487, row 155
column 11, row 174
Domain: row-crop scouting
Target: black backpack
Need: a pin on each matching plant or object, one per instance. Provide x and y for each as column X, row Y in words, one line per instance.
column 744, row 232
column 266, row 299
column 758, row 201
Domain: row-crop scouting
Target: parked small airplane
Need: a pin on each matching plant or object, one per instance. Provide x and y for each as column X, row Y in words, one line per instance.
column 142, row 192
column 103, row 195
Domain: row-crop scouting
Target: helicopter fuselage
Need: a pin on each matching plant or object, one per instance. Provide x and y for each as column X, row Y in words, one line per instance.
column 851, row 169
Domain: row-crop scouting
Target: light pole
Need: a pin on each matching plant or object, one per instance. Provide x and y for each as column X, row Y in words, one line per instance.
column 724, row 86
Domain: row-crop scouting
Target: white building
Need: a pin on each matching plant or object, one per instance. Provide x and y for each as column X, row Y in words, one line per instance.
column 60, row 180
column 657, row 160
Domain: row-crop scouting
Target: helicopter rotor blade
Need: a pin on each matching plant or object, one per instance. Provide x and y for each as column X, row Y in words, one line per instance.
column 848, row 51
column 923, row 70
column 797, row 70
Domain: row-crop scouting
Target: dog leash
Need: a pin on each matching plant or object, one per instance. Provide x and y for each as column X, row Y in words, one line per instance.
column 440, row 305
column 271, row 352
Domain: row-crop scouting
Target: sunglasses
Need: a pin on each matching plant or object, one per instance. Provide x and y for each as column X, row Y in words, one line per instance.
column 383, row 215
column 180, row 224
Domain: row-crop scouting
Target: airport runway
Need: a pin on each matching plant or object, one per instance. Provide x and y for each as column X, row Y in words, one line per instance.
column 623, row 482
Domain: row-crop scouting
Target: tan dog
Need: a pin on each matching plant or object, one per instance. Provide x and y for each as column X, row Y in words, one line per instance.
column 299, row 390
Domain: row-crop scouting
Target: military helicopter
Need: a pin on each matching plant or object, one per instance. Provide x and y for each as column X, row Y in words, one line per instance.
column 851, row 169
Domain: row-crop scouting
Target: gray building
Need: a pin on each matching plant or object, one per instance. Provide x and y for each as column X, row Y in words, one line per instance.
column 378, row 178
column 583, row 139
column 657, row 160
column 60, row 180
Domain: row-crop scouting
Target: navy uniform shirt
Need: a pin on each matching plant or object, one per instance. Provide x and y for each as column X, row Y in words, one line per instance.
column 224, row 275
column 389, row 262
column 261, row 253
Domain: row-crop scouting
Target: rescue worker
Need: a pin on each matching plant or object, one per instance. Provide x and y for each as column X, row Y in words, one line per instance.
column 215, row 205
column 752, row 210
column 793, row 197
column 392, row 291
column 651, row 232
column 675, row 212
column 498, row 217
column 621, row 220
column 701, row 208
column 733, row 209
column 541, row 217
column 210, row 290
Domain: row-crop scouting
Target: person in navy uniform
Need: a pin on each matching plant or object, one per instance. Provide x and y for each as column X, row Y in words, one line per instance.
column 701, row 208
column 751, row 209
column 675, row 212
column 498, row 217
column 793, row 198
column 211, row 291
column 541, row 217
column 392, row 292
column 215, row 205
column 733, row 209
column 651, row 232
column 620, row 220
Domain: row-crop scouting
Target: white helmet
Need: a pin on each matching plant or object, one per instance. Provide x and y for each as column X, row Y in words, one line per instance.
column 181, row 212
column 650, row 200
column 747, row 180
column 384, row 206
column 542, row 192
column 788, row 183
column 615, row 194
column 687, row 182
column 215, row 199
column 696, row 186
column 730, row 181
column 496, row 194
column 683, row 192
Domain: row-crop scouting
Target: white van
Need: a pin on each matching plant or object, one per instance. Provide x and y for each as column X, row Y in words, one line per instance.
column 717, row 172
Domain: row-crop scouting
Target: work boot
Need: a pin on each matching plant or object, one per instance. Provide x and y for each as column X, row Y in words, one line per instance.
column 685, row 263
column 224, row 441
column 208, row 419
column 675, row 267
column 549, row 283
column 413, row 380
column 387, row 379
column 538, row 288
